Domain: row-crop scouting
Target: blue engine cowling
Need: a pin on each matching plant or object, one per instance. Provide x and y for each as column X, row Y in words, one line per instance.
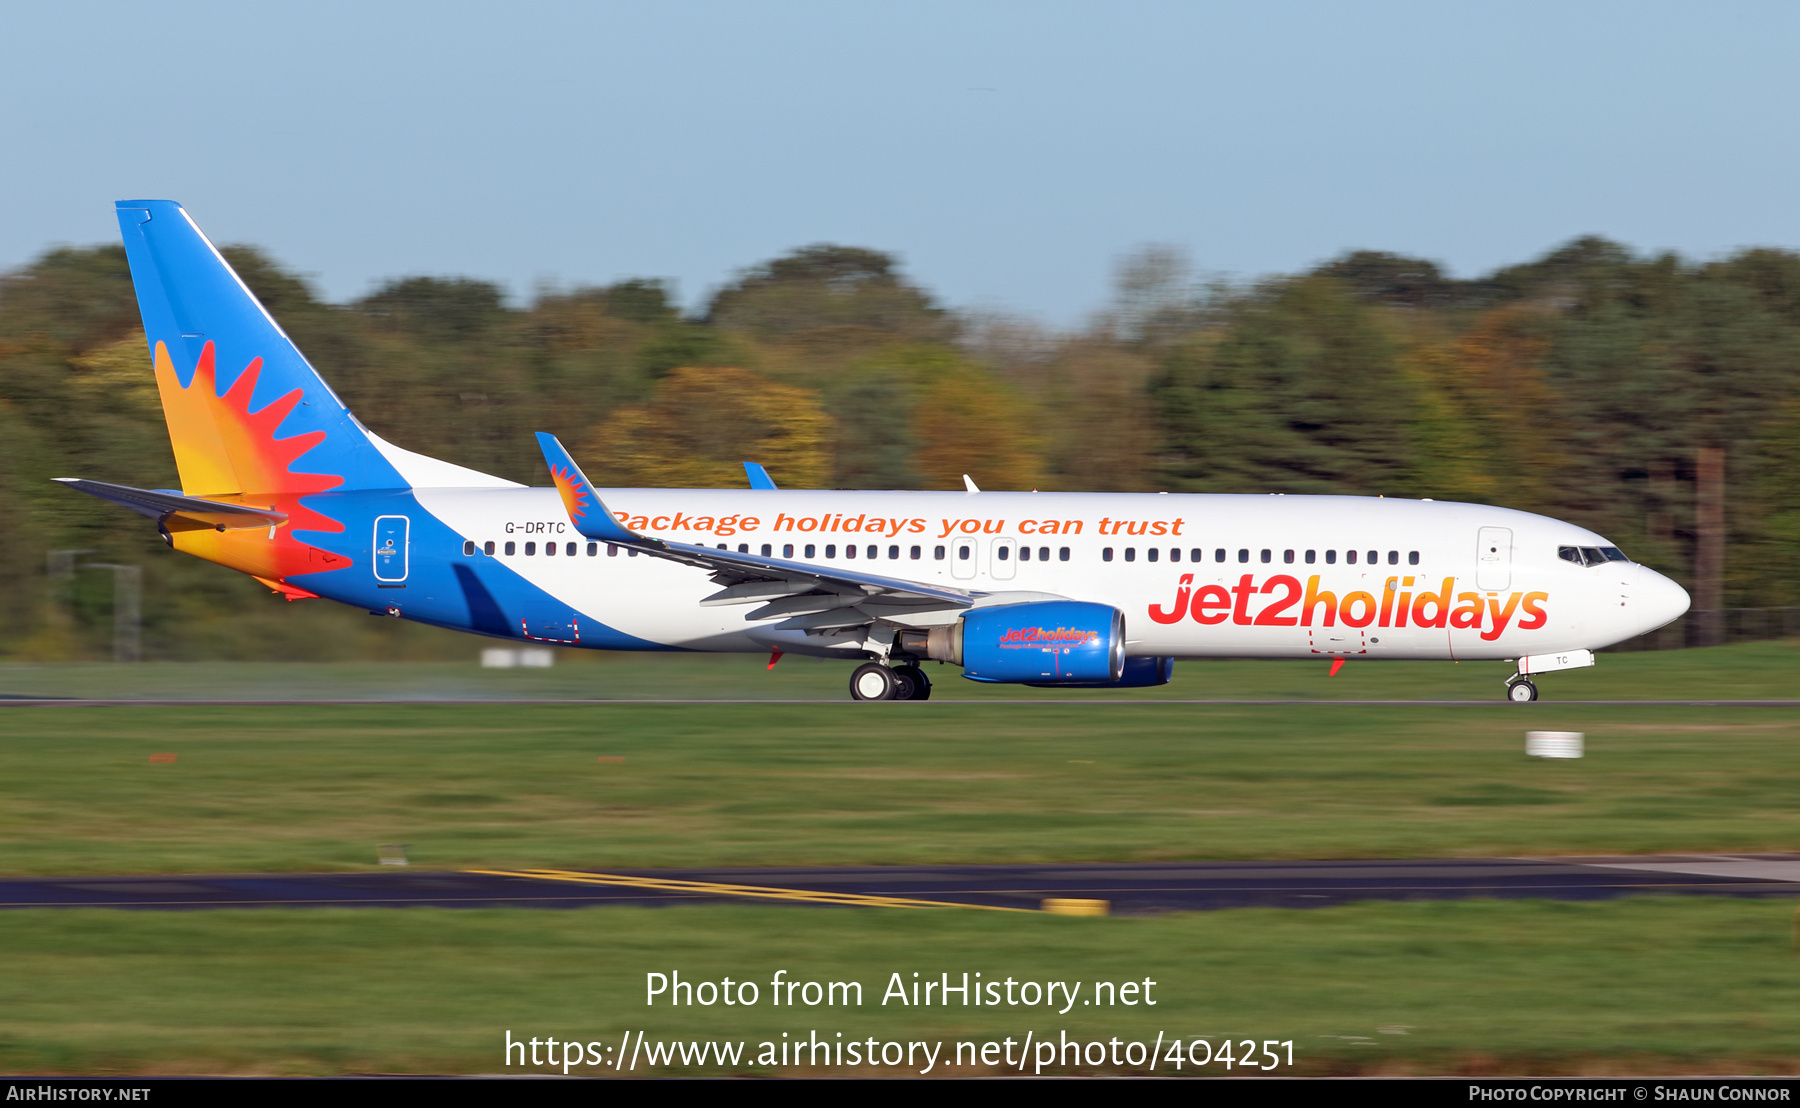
column 1140, row 673
column 1050, row 642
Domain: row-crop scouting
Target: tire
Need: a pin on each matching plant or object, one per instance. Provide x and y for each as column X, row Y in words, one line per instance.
column 873, row 681
column 1521, row 692
column 906, row 686
column 921, row 683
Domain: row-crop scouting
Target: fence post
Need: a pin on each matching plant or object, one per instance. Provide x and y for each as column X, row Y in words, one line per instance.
column 128, row 610
column 1709, row 545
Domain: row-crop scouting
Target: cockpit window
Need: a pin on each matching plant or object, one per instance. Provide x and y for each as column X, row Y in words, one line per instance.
column 1591, row 555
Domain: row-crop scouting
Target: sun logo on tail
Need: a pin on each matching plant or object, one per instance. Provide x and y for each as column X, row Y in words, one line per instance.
column 224, row 451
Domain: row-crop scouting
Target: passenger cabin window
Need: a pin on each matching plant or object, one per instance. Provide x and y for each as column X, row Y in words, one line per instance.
column 1374, row 557
column 1150, row 555
column 1412, row 558
column 1287, row 556
column 511, row 548
column 487, row 548
column 1265, row 557
column 612, row 550
column 549, row 549
column 1044, row 554
column 1106, row 554
column 1349, row 557
column 1063, row 554
column 1393, row 557
column 767, row 550
column 937, row 553
column 530, row 549
column 916, row 551
column 787, row 550
column 1194, row 554
column 1311, row 556
column 1219, row 554
column 849, row 551
column 893, row 553
column 964, row 551
column 1331, row 557
column 468, row 547
column 811, row 551
column 831, row 550
column 1024, row 553
column 1000, row 553
column 1174, row 554
column 1131, row 553
column 1243, row 555
column 593, row 550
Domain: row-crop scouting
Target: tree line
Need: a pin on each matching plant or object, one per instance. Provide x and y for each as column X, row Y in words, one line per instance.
column 1583, row 384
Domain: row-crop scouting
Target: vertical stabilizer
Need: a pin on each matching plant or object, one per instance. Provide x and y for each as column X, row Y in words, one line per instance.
column 248, row 416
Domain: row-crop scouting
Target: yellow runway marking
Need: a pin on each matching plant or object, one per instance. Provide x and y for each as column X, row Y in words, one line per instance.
column 715, row 888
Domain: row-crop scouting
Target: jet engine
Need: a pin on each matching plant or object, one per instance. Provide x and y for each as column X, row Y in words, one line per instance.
column 1049, row 642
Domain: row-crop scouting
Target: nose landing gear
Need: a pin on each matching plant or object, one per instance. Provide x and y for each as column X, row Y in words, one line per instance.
column 1519, row 688
column 1521, row 691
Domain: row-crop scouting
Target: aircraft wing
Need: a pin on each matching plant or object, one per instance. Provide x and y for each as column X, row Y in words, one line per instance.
column 802, row 595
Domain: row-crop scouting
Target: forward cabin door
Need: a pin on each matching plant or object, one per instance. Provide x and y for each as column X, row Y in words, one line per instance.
column 1493, row 559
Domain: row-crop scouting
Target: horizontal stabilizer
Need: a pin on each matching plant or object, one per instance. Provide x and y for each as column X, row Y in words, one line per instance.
column 161, row 505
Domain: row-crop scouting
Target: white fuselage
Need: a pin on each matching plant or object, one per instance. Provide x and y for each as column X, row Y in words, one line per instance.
column 1195, row 575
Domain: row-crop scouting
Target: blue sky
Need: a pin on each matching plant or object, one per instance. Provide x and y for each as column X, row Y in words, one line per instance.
column 1008, row 153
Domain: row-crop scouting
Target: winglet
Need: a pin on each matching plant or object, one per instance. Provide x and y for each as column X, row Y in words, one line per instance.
column 589, row 516
column 759, row 477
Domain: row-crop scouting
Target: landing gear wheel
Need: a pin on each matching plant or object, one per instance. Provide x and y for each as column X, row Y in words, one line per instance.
column 914, row 684
column 873, row 681
column 1521, row 691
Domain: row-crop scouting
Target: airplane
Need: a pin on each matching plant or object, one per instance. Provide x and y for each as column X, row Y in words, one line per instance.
column 1067, row 590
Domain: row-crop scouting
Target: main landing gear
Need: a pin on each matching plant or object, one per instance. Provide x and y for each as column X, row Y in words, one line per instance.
column 875, row 681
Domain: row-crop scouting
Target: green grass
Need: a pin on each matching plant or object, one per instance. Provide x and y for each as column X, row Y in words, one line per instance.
column 319, row 788
column 1636, row 986
column 1766, row 670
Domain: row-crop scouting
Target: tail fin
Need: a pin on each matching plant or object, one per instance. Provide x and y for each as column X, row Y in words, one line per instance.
column 232, row 381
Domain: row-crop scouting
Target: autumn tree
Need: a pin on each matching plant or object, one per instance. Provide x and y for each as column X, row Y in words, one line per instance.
column 702, row 423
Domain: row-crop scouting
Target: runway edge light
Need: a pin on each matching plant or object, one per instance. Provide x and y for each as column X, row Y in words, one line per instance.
column 1069, row 906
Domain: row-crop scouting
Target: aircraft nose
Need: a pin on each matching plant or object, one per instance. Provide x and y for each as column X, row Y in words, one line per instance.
column 1660, row 600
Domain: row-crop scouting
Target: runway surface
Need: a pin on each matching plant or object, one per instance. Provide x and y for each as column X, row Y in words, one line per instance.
column 43, row 702
column 1128, row 888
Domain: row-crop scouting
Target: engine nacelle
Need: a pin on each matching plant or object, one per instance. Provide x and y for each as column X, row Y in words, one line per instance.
column 1140, row 673
column 1049, row 642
